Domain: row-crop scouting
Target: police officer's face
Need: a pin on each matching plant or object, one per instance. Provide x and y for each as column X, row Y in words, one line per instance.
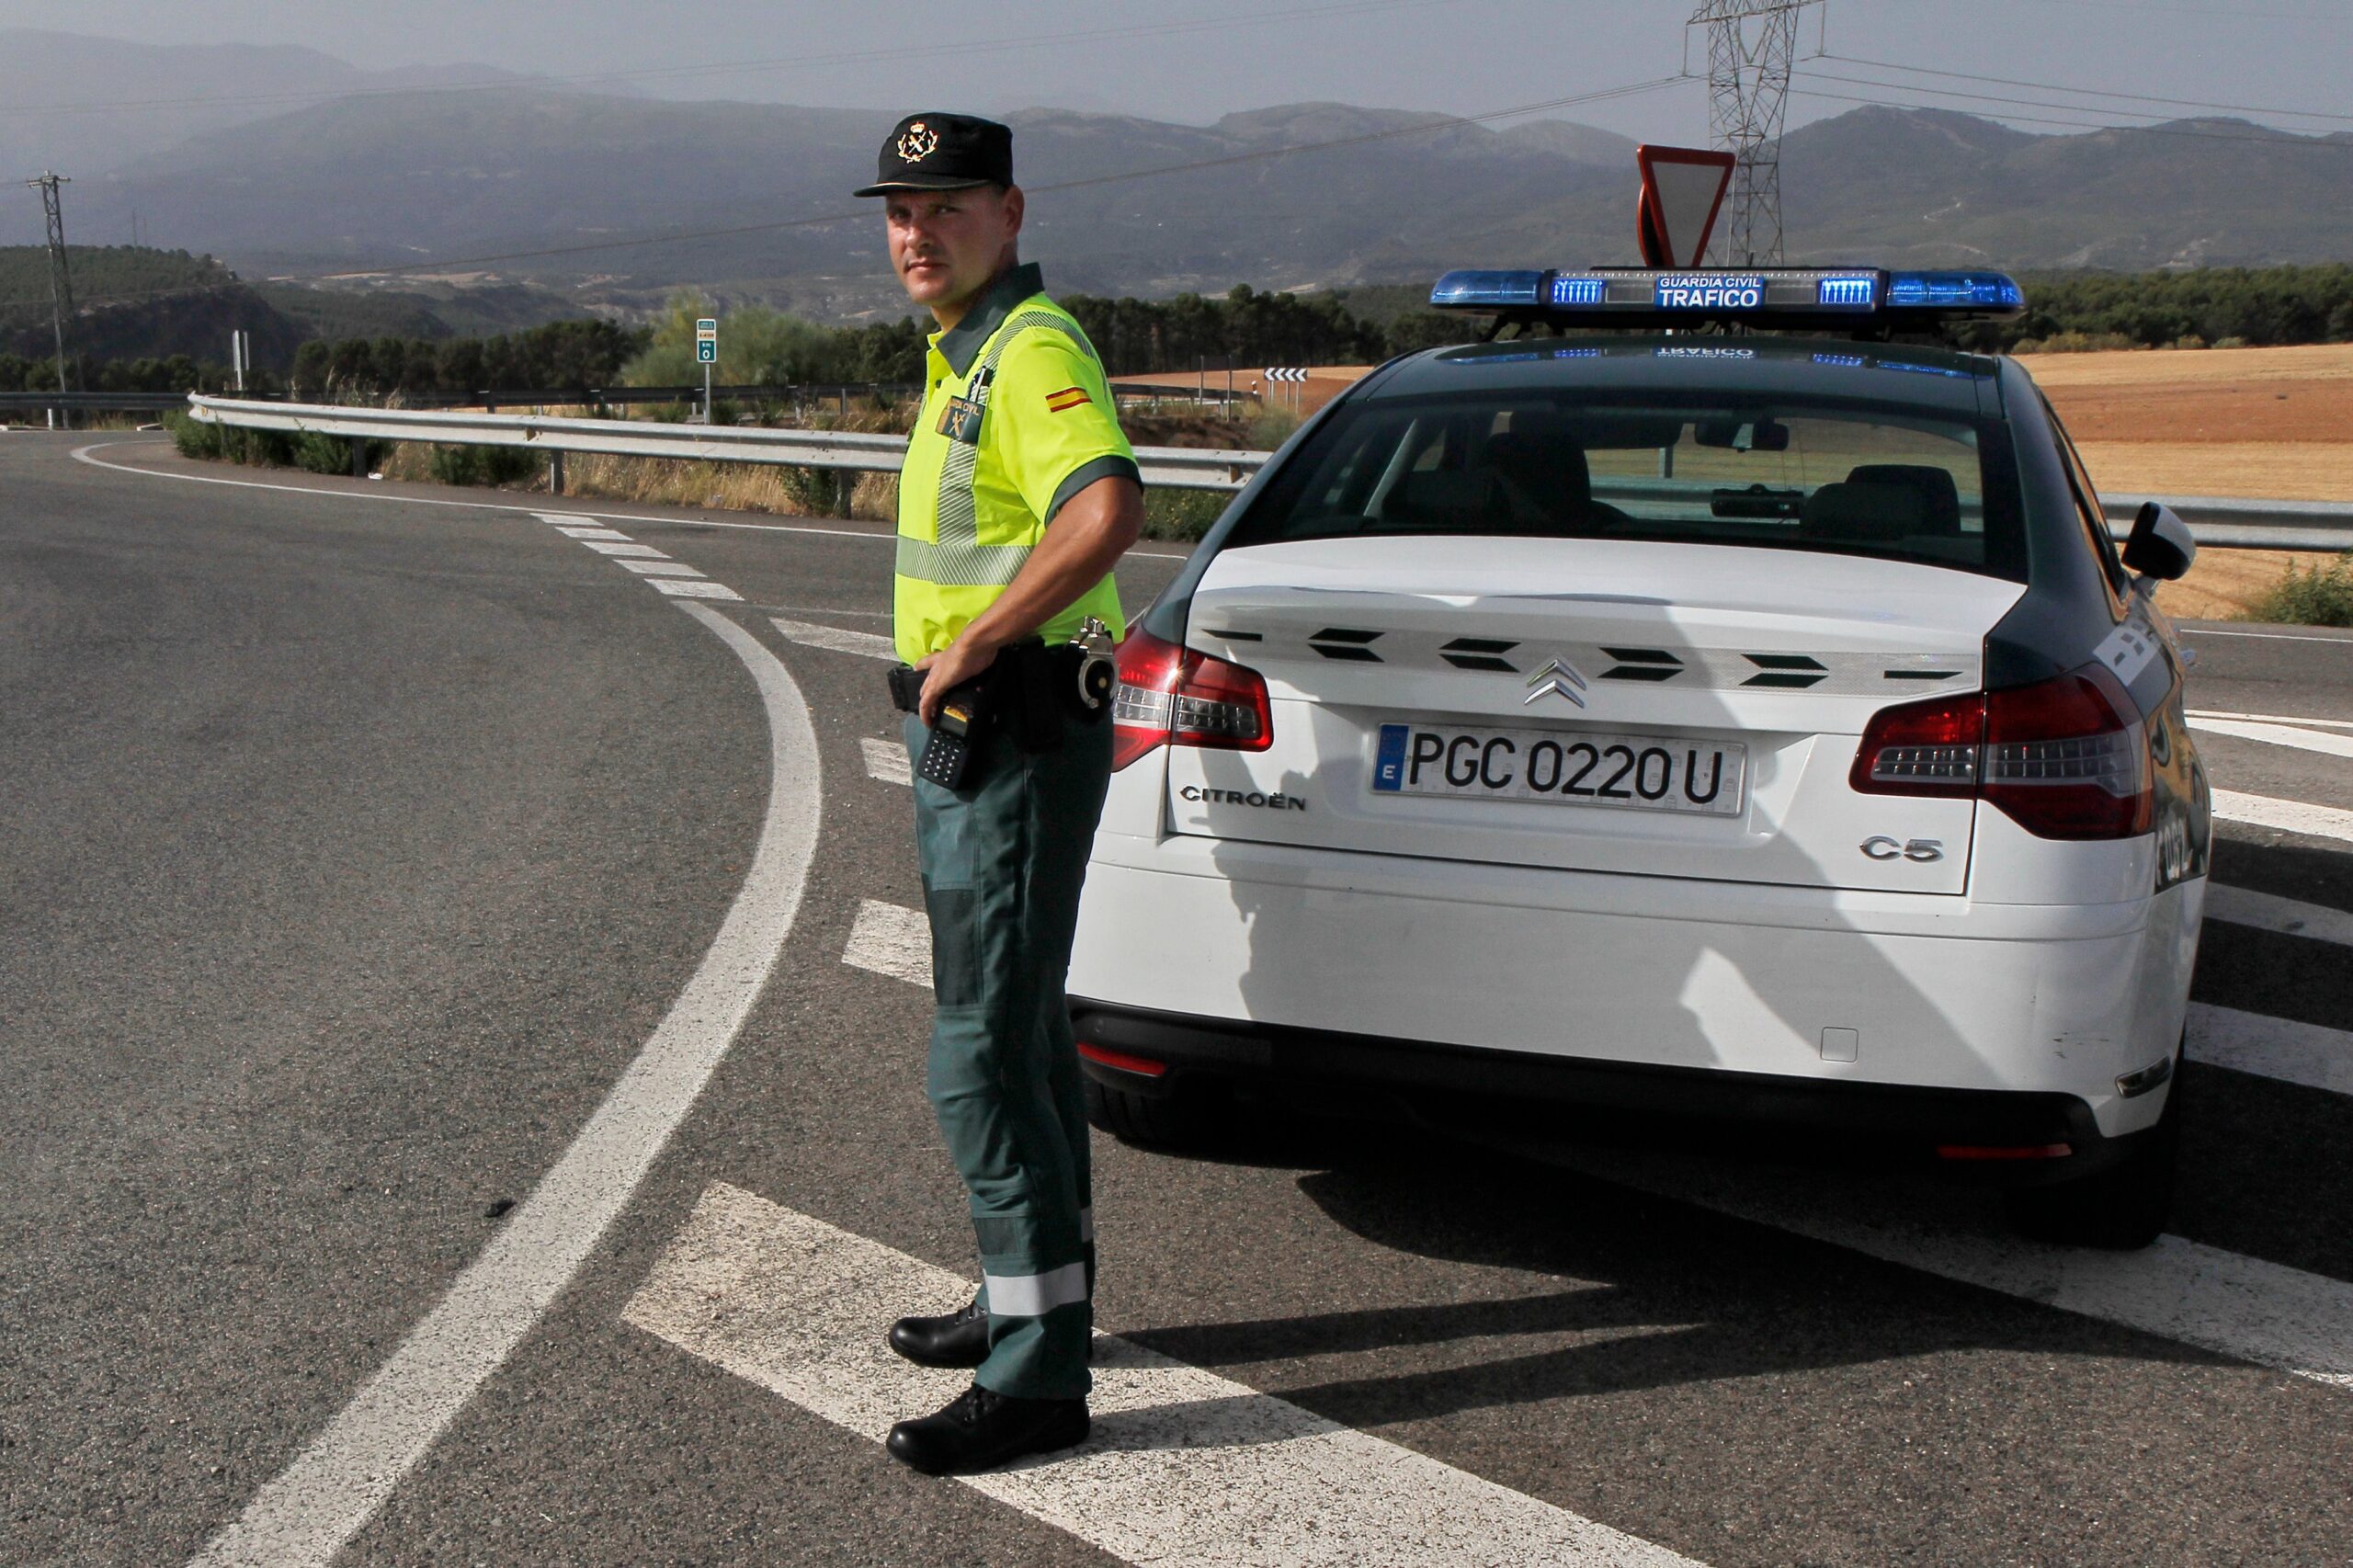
column 946, row 244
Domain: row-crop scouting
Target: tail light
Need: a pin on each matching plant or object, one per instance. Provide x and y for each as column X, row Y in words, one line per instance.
column 2065, row 758
column 1173, row 696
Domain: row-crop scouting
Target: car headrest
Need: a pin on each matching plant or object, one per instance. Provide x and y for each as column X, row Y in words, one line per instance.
column 1935, row 484
column 1548, row 466
column 1863, row 513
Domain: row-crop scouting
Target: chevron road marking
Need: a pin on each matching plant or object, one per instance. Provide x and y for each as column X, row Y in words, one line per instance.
column 698, row 588
column 868, row 644
column 2286, row 816
column 887, row 760
column 2287, row 917
column 2242, row 1306
column 1184, row 1468
column 890, row 940
column 2198, row 714
column 2278, row 735
column 2292, row 1053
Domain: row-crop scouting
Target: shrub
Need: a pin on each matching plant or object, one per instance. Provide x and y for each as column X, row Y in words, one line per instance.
column 2320, row 596
column 485, row 465
column 314, row 453
column 194, row 437
column 1271, row 427
column 1182, row 514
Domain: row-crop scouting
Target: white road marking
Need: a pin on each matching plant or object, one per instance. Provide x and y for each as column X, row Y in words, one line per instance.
column 2269, row 911
column 2242, row 1306
column 698, row 588
column 642, row 551
column 659, row 568
column 2273, row 719
column 2267, row 636
column 2278, row 735
column 592, row 533
column 887, row 760
column 890, row 940
column 2274, row 1048
column 1184, row 1468
column 2287, row 816
column 343, row 1475
column 870, row 644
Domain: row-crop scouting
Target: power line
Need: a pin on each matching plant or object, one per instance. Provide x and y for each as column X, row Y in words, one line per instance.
column 743, row 67
column 2080, row 124
column 2083, row 92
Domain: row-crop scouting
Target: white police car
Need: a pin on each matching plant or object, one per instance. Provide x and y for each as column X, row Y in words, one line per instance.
column 1752, row 727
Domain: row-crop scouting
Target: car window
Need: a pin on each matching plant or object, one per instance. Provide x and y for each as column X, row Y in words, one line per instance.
column 2089, row 514
column 1787, row 473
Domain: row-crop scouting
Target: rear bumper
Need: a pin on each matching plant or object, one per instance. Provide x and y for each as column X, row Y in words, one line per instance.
column 1745, row 1002
column 1314, row 1066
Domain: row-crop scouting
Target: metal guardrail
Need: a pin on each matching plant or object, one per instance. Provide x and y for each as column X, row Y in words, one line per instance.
column 2217, row 521
column 91, row 402
column 1181, row 468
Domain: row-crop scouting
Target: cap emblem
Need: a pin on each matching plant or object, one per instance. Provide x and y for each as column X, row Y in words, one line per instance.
column 918, row 142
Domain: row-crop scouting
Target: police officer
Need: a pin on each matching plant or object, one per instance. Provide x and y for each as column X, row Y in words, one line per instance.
column 1017, row 497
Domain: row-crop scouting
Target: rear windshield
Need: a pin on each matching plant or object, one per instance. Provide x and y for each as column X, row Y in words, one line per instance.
column 1786, row 474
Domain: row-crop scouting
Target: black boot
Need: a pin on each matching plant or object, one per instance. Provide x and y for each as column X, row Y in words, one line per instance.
column 959, row 1339
column 982, row 1429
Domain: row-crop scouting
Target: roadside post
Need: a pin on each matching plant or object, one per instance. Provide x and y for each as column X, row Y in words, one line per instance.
column 707, row 355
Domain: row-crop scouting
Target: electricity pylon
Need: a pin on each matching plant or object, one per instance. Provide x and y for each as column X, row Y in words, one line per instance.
column 61, row 281
column 1751, row 44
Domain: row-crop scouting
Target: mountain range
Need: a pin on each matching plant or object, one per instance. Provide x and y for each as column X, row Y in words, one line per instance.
column 519, row 181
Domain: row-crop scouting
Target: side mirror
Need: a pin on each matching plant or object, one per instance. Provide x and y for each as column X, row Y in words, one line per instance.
column 2159, row 545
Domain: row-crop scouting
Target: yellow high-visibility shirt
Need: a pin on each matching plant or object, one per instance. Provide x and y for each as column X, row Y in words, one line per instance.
column 1016, row 419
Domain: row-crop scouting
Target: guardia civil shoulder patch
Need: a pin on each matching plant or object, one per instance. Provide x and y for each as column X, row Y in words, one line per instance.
column 1067, row 399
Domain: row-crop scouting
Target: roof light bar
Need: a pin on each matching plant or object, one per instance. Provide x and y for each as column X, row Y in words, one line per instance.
column 1836, row 299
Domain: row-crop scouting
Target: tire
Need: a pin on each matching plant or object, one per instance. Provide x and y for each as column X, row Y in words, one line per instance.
column 2121, row 1209
column 1154, row 1122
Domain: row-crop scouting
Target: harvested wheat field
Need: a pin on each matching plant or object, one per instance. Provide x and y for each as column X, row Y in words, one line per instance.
column 2264, row 424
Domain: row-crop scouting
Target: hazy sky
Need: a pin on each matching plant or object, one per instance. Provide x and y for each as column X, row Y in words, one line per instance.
column 1194, row 60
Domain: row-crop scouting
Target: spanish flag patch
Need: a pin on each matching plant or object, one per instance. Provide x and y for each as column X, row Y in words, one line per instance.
column 1067, row 399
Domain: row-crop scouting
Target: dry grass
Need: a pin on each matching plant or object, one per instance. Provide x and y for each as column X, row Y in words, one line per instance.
column 2226, row 584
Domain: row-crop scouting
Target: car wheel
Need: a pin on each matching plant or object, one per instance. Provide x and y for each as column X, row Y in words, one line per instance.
column 2123, row 1207
column 1156, row 1121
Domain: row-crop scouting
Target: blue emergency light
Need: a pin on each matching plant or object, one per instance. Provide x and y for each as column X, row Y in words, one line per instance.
column 1869, row 301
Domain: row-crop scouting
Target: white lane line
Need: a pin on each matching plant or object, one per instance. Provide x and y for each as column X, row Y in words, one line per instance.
column 2273, row 719
column 642, row 551
column 2293, row 1052
column 698, row 588
column 870, row 644
column 2287, row 816
column 343, row 1475
column 2269, row 911
column 593, row 533
column 659, row 568
column 2180, row 1290
column 887, row 760
column 2267, row 636
column 890, row 940
column 1184, row 1468
column 2278, row 735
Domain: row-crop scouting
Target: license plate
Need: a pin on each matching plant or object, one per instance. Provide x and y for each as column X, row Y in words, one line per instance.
column 1581, row 768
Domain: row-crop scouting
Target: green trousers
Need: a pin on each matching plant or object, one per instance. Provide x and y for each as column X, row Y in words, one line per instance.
column 1003, row 860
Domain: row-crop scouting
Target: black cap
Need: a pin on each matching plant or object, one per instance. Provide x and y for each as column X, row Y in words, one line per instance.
column 942, row 152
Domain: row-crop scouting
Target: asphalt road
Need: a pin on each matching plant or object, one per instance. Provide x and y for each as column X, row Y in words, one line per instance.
column 355, row 848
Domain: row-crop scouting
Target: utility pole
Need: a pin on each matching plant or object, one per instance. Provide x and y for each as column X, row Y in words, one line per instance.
column 1751, row 45
column 61, row 282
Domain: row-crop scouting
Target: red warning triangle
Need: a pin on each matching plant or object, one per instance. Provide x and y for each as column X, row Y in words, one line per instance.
column 1683, row 190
